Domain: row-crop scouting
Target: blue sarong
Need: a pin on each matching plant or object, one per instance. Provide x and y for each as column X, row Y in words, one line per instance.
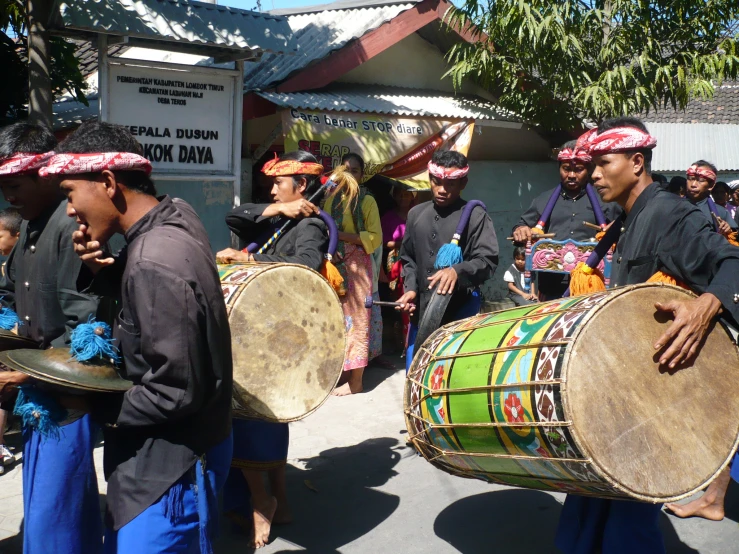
column 258, row 445
column 61, row 503
column 468, row 309
column 735, row 468
column 588, row 525
column 173, row 523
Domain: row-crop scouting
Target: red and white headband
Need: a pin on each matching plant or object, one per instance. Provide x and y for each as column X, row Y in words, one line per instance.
column 618, row 139
column 447, row 172
column 701, row 171
column 574, row 155
column 22, row 162
column 74, row 164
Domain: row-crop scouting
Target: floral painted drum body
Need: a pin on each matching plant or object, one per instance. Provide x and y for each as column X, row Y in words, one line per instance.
column 568, row 396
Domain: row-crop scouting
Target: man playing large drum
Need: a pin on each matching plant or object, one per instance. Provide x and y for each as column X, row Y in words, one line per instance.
column 261, row 446
column 562, row 211
column 660, row 232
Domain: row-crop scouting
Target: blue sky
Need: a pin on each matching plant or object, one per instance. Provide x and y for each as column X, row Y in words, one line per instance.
column 271, row 4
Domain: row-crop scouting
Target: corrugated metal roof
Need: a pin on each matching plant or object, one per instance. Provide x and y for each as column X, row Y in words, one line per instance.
column 392, row 101
column 316, row 35
column 182, row 21
column 680, row 144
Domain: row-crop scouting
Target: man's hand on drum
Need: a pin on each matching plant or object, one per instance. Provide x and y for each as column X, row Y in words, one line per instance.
column 297, row 208
column 90, row 251
column 230, row 255
column 522, row 234
column 683, row 337
column 407, row 302
column 446, row 279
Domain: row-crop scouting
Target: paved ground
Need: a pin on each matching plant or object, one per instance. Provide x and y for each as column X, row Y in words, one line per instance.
column 356, row 488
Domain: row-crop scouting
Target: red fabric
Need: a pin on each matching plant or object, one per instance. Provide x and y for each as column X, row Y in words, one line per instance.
column 618, row 139
column 700, row 171
column 280, row 168
column 574, row 155
column 447, row 172
column 21, row 163
column 74, row 164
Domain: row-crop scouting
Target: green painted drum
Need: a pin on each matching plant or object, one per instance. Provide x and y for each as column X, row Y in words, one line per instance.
column 569, row 396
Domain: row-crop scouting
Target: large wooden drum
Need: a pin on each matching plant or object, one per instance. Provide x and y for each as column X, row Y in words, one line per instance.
column 287, row 336
column 569, row 396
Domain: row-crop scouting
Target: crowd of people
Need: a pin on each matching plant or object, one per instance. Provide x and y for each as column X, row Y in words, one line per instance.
column 171, row 444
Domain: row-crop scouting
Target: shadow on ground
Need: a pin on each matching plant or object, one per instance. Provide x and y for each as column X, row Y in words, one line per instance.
column 516, row 520
column 337, row 505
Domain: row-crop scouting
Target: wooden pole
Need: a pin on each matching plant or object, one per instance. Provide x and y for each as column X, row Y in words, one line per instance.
column 39, row 63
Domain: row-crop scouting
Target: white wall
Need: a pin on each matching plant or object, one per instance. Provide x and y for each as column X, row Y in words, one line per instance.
column 507, row 189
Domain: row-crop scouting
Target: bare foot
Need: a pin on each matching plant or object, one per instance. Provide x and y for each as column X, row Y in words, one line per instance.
column 263, row 516
column 343, row 390
column 710, row 505
column 700, row 507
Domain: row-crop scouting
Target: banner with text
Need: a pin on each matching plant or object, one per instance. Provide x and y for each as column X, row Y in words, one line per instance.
column 398, row 148
column 183, row 119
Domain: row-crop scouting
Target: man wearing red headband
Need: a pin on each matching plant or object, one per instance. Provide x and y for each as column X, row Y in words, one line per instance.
column 659, row 232
column 429, row 227
column 572, row 206
column 42, row 274
column 261, row 446
column 168, row 438
column 701, row 180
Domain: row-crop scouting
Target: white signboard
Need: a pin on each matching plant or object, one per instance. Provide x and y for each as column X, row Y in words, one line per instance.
column 183, row 118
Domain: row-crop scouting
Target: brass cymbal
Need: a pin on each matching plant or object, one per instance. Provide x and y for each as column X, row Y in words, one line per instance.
column 57, row 366
column 11, row 341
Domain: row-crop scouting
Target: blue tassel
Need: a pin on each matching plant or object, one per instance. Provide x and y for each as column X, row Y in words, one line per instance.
column 448, row 255
column 8, row 319
column 93, row 340
column 39, row 411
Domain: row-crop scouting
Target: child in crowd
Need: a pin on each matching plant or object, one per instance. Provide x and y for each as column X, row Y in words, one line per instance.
column 515, row 279
column 10, row 228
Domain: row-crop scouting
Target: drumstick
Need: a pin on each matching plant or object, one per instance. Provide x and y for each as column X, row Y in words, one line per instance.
column 369, row 302
column 541, row 236
column 592, row 225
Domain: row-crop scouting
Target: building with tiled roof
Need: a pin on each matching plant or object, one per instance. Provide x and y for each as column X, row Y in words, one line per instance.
column 706, row 129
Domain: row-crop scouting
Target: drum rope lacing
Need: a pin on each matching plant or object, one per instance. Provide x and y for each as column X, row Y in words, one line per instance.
column 531, row 316
column 492, row 424
column 442, row 452
column 537, row 345
column 436, row 392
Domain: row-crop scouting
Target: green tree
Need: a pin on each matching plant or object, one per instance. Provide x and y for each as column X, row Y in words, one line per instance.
column 63, row 66
column 559, row 62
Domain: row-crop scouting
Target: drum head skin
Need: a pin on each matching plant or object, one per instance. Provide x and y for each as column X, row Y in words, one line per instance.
column 56, row 366
column 658, row 434
column 287, row 335
column 432, row 316
column 11, row 341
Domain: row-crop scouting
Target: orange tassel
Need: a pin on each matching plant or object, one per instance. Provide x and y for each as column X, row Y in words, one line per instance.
column 599, row 235
column 660, row 277
column 334, row 278
column 584, row 280
column 733, row 239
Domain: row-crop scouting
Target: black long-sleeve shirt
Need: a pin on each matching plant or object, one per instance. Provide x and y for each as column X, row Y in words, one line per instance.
column 176, row 345
column 427, row 229
column 42, row 277
column 567, row 215
column 304, row 242
column 663, row 232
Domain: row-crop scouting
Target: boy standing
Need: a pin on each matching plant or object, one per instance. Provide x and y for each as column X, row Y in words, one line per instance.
column 168, row 438
column 430, row 226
